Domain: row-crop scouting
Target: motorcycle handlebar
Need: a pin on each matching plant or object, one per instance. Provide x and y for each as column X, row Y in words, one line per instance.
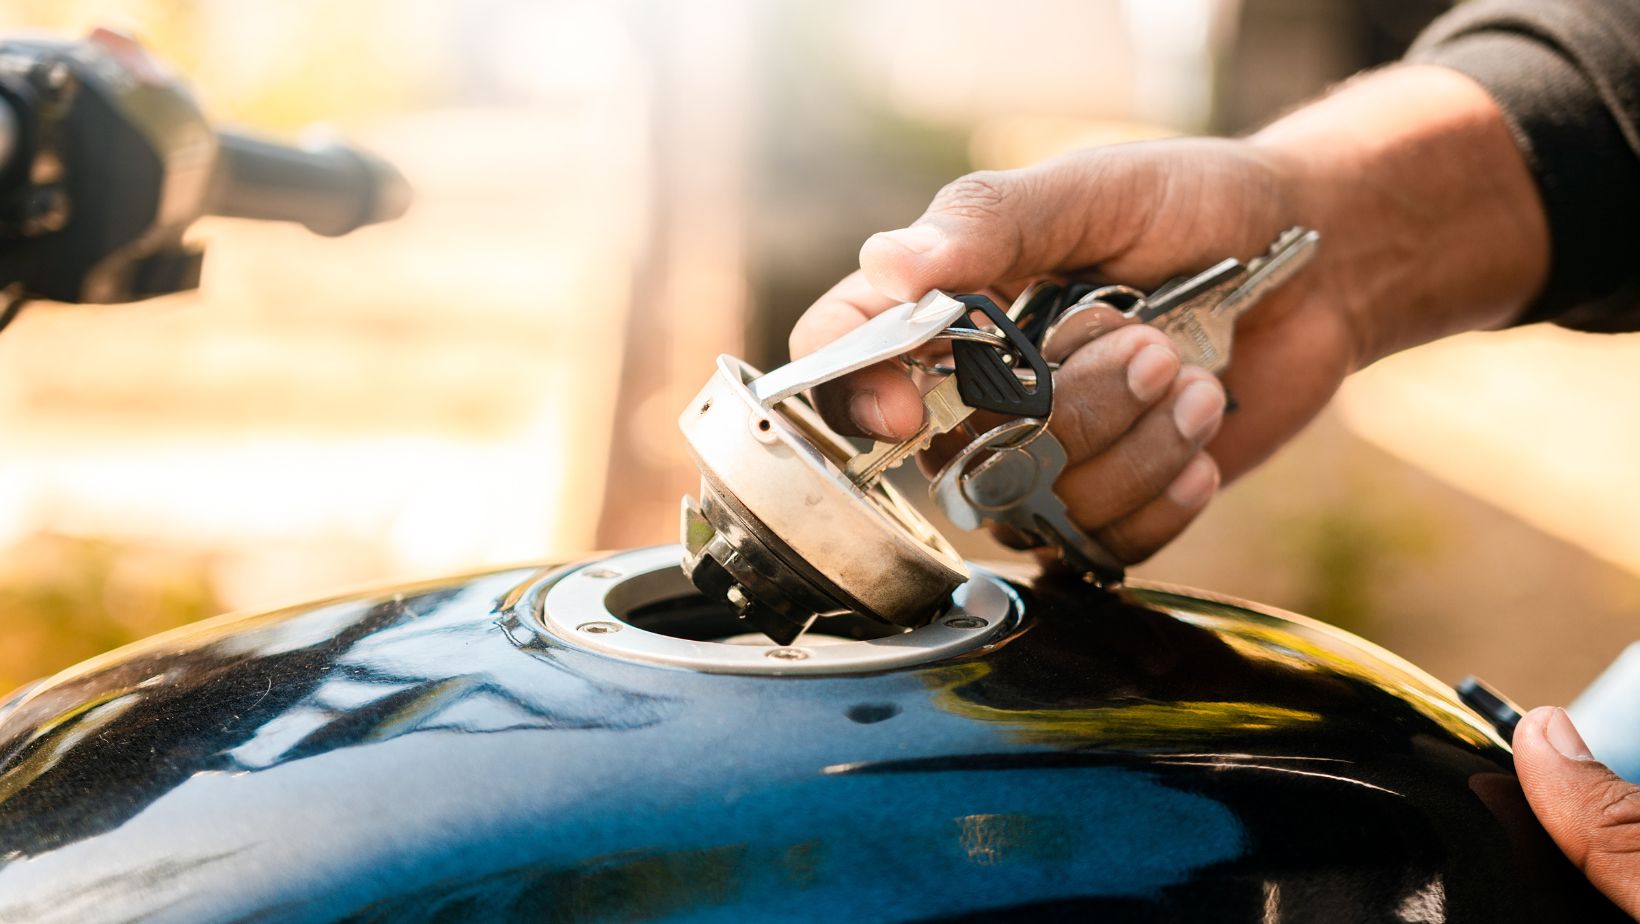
column 331, row 188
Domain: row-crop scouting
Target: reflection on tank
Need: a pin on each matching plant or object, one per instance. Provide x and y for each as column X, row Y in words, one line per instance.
column 251, row 695
column 1149, row 677
column 435, row 754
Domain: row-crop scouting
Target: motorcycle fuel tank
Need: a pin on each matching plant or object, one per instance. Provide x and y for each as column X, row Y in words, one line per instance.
column 597, row 742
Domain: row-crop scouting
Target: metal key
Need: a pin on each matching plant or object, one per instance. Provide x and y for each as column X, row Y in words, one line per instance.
column 1291, row 252
column 1207, row 286
column 944, row 411
column 1203, row 327
column 1014, row 487
column 1198, row 313
column 1099, row 313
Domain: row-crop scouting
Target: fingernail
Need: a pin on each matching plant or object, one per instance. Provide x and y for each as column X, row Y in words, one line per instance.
column 1195, row 485
column 1198, row 410
column 1150, row 371
column 1563, row 736
column 918, row 239
column 867, row 414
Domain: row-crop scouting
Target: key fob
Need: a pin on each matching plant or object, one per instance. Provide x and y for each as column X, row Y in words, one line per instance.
column 986, row 382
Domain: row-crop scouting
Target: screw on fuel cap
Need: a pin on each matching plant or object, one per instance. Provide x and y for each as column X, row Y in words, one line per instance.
column 1496, row 708
column 781, row 532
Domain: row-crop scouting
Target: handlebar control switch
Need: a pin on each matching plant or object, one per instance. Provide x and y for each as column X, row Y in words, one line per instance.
column 106, row 160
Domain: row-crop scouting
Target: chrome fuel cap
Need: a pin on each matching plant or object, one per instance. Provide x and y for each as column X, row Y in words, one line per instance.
column 782, row 533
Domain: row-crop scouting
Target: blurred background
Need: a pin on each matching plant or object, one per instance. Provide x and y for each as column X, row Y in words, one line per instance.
column 610, row 194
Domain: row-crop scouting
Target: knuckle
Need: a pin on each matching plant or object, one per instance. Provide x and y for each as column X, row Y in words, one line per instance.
column 1146, row 459
column 1608, row 844
column 1077, row 426
column 1619, row 815
column 1144, row 472
column 1094, row 403
column 1108, row 352
column 1143, row 335
column 979, row 196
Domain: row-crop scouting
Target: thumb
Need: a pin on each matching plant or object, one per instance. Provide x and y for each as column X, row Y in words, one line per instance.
column 995, row 226
column 1592, row 814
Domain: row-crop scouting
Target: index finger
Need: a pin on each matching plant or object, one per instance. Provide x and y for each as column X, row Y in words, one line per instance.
column 880, row 401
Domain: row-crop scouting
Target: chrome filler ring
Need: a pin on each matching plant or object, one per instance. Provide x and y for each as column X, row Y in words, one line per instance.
column 588, row 609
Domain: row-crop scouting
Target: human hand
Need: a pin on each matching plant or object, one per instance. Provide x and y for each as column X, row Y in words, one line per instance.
column 1147, row 440
column 1134, row 423
column 1592, row 814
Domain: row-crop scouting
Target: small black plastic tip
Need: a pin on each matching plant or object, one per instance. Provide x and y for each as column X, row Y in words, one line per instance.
column 1496, row 708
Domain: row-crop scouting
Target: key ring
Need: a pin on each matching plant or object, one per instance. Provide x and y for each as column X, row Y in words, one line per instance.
column 992, row 441
column 970, row 334
column 973, row 335
column 928, row 367
column 953, row 474
column 976, row 335
column 1105, row 293
column 1026, row 376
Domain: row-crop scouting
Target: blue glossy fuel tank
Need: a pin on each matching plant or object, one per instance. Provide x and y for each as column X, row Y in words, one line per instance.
column 435, row 753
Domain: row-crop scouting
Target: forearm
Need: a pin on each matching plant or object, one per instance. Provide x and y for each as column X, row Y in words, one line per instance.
column 1432, row 222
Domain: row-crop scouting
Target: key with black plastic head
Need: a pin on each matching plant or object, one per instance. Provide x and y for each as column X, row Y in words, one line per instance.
column 985, row 379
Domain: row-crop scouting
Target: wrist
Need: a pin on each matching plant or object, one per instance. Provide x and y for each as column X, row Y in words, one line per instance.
column 1431, row 222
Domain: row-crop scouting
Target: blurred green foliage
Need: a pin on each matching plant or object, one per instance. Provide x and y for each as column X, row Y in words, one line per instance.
column 1341, row 551
column 63, row 600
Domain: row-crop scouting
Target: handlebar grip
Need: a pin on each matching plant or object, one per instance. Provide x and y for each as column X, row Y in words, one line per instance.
column 331, row 189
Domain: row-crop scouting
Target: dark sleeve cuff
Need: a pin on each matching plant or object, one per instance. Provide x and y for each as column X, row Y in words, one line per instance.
column 1581, row 155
